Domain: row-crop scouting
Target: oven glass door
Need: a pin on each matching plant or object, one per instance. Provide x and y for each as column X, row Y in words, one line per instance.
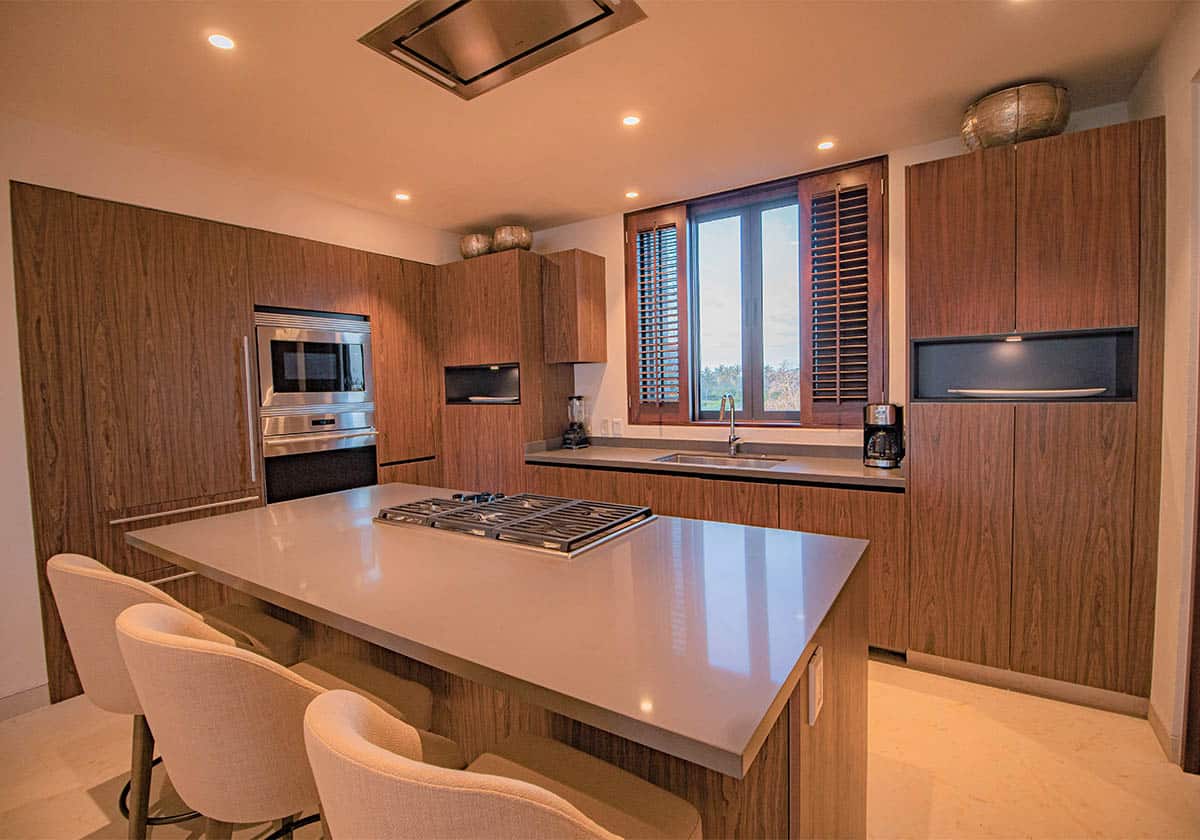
column 309, row 367
column 317, row 367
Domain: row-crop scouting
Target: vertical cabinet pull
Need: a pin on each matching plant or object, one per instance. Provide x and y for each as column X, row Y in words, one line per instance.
column 250, row 429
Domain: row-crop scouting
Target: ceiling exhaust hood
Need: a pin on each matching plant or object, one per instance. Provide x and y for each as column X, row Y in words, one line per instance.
column 472, row 46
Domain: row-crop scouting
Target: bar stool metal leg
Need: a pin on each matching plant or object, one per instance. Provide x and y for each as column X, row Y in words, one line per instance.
column 217, row 830
column 139, row 777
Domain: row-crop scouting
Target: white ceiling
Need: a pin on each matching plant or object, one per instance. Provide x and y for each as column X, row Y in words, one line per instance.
column 731, row 93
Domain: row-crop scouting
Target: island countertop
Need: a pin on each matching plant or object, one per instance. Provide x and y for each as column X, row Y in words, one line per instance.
column 683, row 635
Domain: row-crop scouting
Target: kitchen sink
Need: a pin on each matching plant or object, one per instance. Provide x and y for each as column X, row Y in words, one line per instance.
column 761, row 462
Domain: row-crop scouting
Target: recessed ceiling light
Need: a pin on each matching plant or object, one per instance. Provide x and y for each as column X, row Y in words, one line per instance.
column 825, row 145
column 631, row 194
column 1012, row 338
column 631, row 120
column 221, row 42
column 402, row 196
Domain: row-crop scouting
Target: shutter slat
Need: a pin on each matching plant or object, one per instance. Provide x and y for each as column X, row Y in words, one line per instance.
column 658, row 327
column 839, row 271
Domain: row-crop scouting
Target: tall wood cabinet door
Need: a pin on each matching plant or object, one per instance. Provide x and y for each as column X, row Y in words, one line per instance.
column 961, row 244
column 960, row 491
column 1073, row 534
column 165, row 357
column 1078, row 230
column 871, row 515
column 404, row 342
column 479, row 310
column 304, row 274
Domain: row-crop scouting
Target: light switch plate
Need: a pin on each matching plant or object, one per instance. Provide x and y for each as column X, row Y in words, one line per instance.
column 816, row 685
column 616, row 426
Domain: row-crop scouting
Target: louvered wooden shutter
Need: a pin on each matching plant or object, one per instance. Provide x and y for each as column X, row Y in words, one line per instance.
column 656, row 324
column 841, row 259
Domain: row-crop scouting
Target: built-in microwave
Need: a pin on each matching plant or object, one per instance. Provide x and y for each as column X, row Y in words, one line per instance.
column 312, row 359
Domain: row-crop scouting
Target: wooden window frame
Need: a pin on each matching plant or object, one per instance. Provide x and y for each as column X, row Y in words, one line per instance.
column 684, row 216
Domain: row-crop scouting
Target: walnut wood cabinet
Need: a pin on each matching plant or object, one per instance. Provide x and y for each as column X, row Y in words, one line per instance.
column 574, row 308
column 878, row 516
column 300, row 273
column 166, row 357
column 1039, row 237
column 1078, row 230
column 961, row 240
column 408, row 391
column 489, row 311
column 960, row 496
column 427, row 471
column 1073, row 535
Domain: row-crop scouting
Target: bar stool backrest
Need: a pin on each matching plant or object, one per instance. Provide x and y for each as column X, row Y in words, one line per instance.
column 89, row 597
column 228, row 721
column 373, row 784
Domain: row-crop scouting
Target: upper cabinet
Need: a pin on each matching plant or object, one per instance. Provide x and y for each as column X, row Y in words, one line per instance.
column 304, row 274
column 166, row 355
column 574, row 308
column 1078, row 230
column 1037, row 237
column 479, row 307
column 961, row 240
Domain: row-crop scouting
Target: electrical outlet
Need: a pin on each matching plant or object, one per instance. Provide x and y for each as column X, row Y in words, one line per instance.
column 605, row 428
column 616, row 426
column 816, row 685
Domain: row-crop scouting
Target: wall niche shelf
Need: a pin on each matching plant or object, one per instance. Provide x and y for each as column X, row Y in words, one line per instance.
column 498, row 384
column 1084, row 366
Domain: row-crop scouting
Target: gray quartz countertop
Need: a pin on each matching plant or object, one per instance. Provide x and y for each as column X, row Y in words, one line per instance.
column 839, row 465
column 683, row 635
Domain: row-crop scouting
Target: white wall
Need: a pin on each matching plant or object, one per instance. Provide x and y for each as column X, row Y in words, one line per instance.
column 45, row 155
column 603, row 385
column 1169, row 86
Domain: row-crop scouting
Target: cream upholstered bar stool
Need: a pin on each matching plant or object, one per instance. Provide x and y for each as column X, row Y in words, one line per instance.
column 89, row 597
column 230, row 723
column 369, row 771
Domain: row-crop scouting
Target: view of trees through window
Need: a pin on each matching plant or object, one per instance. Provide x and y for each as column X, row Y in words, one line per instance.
column 747, row 301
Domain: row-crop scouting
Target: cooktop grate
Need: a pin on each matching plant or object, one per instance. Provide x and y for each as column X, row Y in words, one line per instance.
column 565, row 526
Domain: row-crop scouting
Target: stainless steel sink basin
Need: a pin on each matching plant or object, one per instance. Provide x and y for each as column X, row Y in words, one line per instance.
column 760, row 462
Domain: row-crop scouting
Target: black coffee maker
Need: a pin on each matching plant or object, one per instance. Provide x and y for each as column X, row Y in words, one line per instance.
column 883, row 435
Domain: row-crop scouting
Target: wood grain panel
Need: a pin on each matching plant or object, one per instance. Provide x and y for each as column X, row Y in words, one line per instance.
column 574, row 309
column 1073, row 533
column 112, row 550
column 879, row 517
column 828, row 760
column 739, row 502
column 1078, row 230
column 426, row 472
column 960, row 495
column 168, row 306
column 304, row 274
column 1151, row 303
column 479, row 310
column 961, row 245
column 483, row 448
column 49, row 336
column 408, row 377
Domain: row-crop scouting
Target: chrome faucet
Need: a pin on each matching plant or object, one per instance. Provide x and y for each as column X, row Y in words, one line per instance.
column 734, row 440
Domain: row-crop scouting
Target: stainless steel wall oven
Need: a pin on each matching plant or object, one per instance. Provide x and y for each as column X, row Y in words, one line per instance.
column 316, row 401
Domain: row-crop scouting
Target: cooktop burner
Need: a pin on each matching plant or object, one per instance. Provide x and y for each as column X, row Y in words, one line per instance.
column 564, row 526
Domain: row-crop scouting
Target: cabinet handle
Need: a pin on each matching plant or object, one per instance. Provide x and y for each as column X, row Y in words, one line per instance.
column 176, row 511
column 169, row 578
column 249, row 410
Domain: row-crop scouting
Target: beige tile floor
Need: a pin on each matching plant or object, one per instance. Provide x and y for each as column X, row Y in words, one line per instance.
column 948, row 759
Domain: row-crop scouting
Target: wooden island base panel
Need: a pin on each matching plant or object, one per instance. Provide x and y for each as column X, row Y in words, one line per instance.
column 806, row 782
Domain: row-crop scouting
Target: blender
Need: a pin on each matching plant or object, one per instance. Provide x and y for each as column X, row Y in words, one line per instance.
column 575, row 437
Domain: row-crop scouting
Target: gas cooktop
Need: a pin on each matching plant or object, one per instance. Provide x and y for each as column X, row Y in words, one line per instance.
column 549, row 523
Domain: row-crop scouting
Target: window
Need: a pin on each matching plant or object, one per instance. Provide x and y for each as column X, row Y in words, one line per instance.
column 781, row 303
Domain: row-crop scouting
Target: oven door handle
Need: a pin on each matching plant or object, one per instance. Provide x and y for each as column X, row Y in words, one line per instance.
column 294, row 444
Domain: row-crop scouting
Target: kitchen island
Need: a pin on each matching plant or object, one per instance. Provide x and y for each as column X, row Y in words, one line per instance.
column 679, row 649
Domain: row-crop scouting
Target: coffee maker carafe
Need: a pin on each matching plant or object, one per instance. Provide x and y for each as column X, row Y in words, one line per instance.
column 575, row 437
column 883, row 435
